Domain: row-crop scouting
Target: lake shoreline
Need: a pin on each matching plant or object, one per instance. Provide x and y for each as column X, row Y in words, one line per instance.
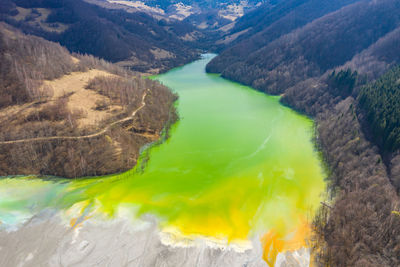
column 195, row 180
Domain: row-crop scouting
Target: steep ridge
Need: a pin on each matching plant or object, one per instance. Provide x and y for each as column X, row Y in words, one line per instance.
column 312, row 95
column 267, row 23
column 317, row 47
column 74, row 115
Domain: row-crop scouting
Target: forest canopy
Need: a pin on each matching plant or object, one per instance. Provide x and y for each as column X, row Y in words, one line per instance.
column 381, row 102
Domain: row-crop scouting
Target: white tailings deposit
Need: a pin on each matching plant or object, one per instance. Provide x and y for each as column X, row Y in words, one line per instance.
column 49, row 240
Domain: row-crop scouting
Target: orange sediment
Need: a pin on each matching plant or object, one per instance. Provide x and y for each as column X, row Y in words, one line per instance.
column 275, row 242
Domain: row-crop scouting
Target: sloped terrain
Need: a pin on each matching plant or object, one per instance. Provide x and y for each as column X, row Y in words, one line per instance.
column 70, row 115
column 113, row 34
column 267, row 23
column 313, row 49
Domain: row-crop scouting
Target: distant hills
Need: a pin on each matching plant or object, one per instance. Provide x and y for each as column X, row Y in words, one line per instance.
column 165, row 4
column 203, row 14
column 233, row 8
column 133, row 39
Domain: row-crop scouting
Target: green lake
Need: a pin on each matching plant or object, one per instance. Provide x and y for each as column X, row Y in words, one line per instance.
column 237, row 164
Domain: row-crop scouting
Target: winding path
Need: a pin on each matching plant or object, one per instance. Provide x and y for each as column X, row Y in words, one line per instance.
column 101, row 132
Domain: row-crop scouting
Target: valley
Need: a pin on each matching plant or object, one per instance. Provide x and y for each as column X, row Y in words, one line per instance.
column 199, row 133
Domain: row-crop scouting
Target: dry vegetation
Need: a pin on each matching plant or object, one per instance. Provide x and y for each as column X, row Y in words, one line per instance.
column 129, row 38
column 362, row 228
column 25, row 62
column 46, row 92
column 37, row 17
column 277, row 60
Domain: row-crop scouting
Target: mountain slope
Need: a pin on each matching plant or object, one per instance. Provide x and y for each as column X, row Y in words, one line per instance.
column 269, row 22
column 134, row 39
column 308, row 52
column 72, row 116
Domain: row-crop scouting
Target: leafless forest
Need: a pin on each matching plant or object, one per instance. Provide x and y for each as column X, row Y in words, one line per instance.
column 29, row 109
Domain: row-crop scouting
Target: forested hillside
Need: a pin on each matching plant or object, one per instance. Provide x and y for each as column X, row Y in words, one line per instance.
column 362, row 226
column 267, row 23
column 363, row 177
column 24, row 64
column 135, row 39
column 72, row 116
column 381, row 103
column 312, row 50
